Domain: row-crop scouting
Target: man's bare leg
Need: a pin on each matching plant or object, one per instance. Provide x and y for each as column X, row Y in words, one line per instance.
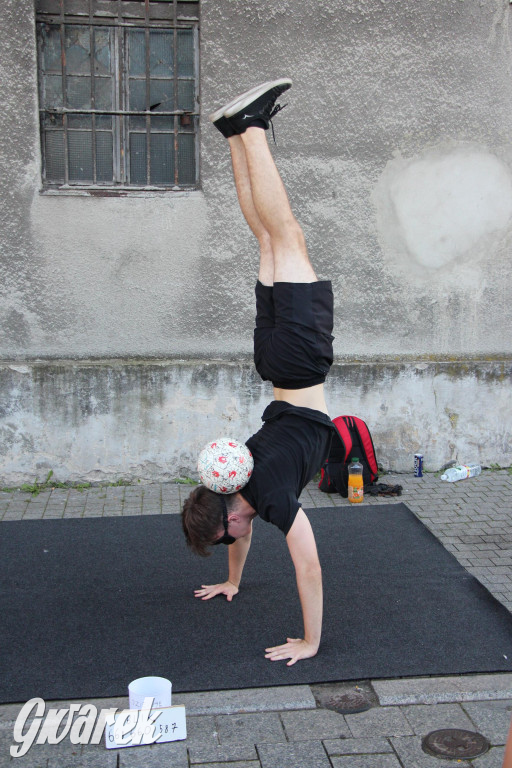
column 291, row 261
column 244, row 192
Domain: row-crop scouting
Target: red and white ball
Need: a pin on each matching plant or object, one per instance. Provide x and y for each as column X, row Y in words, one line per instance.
column 225, row 465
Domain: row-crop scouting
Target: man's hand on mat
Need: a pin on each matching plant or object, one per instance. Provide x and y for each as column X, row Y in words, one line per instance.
column 208, row 591
column 294, row 649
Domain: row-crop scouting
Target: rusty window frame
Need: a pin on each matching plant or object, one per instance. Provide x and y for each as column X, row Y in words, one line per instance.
column 179, row 15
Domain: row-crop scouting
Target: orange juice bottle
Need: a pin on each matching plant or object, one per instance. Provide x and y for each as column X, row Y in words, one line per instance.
column 355, row 481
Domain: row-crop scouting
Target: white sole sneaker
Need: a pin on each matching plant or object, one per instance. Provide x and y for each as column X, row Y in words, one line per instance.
column 246, row 98
column 220, row 112
column 237, row 105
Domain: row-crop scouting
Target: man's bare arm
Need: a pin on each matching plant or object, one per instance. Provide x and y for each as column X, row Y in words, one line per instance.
column 302, row 547
column 237, row 555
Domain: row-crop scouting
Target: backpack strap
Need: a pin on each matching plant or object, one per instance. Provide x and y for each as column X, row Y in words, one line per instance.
column 345, row 438
column 367, row 443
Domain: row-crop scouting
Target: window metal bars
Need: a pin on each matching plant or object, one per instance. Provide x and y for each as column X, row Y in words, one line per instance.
column 121, row 112
column 148, row 119
column 118, row 137
column 175, row 69
column 64, row 99
column 120, row 129
column 46, row 8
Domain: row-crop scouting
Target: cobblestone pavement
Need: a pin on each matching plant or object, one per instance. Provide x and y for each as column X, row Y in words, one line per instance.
column 290, row 727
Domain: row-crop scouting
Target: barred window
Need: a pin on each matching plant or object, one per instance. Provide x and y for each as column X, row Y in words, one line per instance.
column 118, row 93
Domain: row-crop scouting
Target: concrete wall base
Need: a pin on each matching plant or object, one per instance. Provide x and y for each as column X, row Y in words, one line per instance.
column 118, row 419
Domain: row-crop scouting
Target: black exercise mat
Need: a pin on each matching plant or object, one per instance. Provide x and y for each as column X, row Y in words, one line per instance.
column 87, row 605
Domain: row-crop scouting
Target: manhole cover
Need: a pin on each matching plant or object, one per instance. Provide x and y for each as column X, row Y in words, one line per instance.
column 454, row 742
column 349, row 703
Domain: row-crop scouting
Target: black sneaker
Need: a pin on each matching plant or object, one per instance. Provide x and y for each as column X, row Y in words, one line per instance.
column 257, row 106
column 221, row 122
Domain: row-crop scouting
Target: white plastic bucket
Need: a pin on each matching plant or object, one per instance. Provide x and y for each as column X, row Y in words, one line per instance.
column 157, row 688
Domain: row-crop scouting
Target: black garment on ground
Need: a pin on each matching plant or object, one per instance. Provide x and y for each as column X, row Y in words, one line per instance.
column 288, row 451
column 293, row 334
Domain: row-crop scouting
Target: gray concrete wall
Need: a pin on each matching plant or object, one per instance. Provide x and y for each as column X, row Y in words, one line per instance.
column 111, row 420
column 396, row 150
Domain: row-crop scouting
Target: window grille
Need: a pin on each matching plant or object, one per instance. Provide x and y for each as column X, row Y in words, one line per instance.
column 118, row 93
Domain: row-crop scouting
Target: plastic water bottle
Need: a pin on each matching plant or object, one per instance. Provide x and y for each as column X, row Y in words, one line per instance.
column 460, row 472
column 355, row 481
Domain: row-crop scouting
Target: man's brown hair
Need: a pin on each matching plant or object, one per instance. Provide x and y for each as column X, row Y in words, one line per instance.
column 201, row 519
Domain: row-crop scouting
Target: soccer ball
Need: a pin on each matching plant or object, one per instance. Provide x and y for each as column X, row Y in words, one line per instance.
column 225, row 465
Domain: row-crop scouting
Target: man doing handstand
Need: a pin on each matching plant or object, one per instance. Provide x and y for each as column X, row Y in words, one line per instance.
column 293, row 349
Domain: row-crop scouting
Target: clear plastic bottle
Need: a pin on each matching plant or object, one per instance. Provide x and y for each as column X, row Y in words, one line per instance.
column 355, row 481
column 460, row 472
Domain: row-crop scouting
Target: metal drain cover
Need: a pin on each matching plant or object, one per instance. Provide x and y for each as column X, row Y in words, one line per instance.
column 349, row 703
column 455, row 743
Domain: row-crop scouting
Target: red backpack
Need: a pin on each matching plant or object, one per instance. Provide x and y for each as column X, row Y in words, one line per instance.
column 352, row 438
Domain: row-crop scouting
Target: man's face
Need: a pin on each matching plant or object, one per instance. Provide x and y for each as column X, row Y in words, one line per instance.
column 225, row 537
column 234, row 526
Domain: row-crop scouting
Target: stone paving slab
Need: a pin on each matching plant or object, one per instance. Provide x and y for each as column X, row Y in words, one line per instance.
column 202, row 732
column 99, row 758
column 492, row 759
column 156, row 756
column 366, row 761
column 35, row 759
column 8, row 715
column 491, row 718
column 423, row 690
column 247, row 700
column 224, row 754
column 244, row 764
column 262, row 727
column 314, row 724
column 309, row 754
column 381, row 721
column 424, row 718
column 335, row 747
column 61, row 754
column 9, row 712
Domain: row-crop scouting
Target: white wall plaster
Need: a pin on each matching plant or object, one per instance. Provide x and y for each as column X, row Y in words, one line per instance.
column 447, row 209
column 447, row 202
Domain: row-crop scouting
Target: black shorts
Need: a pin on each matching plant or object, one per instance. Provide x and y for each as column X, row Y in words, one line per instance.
column 292, row 338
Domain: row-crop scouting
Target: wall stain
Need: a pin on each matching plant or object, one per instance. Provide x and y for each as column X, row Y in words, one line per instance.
column 453, row 417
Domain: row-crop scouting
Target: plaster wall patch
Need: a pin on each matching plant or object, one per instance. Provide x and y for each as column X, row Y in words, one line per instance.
column 446, row 208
